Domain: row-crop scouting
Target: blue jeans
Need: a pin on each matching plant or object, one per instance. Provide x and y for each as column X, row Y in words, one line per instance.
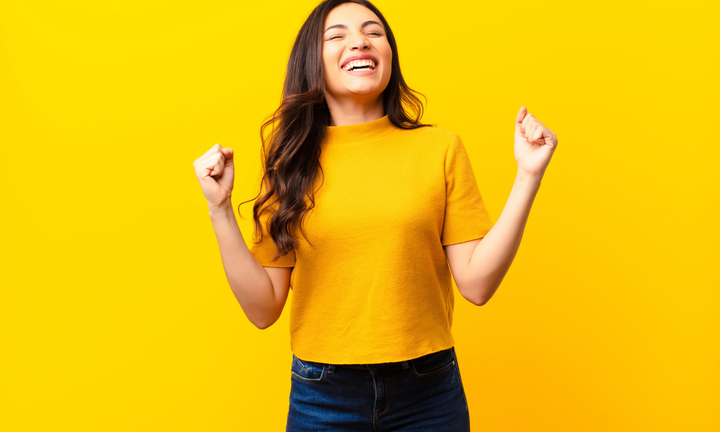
column 423, row 394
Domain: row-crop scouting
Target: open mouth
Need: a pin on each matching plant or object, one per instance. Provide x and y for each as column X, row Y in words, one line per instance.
column 359, row 65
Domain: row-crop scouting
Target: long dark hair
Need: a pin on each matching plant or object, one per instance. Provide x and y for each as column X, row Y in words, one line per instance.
column 291, row 152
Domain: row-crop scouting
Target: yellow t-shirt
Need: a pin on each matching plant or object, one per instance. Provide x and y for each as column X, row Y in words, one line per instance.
column 376, row 287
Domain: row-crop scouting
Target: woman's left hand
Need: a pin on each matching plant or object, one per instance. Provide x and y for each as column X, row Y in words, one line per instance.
column 535, row 144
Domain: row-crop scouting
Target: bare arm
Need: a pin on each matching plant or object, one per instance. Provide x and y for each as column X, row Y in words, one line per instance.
column 261, row 291
column 479, row 266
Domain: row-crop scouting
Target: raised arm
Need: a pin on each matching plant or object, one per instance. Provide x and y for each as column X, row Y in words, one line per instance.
column 261, row 291
column 479, row 266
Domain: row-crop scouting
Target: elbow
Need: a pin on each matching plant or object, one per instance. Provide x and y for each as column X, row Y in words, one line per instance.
column 475, row 299
column 476, row 296
column 481, row 302
column 478, row 301
column 263, row 326
column 264, row 323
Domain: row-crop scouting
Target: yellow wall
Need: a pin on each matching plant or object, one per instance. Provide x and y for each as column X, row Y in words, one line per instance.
column 115, row 311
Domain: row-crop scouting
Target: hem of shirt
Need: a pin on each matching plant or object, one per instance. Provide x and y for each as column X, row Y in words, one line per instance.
column 460, row 240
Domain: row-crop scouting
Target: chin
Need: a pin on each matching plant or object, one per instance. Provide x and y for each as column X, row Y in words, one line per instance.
column 365, row 90
column 361, row 92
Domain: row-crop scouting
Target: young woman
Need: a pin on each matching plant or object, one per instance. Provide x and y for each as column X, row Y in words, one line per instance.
column 362, row 210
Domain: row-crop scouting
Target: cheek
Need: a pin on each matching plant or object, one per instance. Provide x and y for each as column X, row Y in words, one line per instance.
column 388, row 62
column 329, row 63
column 387, row 56
column 331, row 74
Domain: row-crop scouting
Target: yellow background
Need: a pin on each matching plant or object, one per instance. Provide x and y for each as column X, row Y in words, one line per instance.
column 115, row 311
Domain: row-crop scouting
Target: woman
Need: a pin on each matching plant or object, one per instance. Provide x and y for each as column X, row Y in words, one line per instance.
column 360, row 212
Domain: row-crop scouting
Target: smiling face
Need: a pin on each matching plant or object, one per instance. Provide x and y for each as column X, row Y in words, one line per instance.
column 357, row 58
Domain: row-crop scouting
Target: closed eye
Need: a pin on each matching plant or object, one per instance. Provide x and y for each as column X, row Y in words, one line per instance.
column 339, row 36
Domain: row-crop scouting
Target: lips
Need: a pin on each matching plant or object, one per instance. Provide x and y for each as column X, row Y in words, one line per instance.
column 366, row 61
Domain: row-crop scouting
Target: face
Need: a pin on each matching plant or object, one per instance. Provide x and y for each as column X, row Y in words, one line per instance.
column 357, row 57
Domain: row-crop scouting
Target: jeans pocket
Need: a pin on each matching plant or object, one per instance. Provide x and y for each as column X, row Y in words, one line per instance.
column 308, row 371
column 433, row 364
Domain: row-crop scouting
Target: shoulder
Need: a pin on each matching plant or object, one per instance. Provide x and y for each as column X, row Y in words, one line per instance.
column 431, row 137
column 430, row 132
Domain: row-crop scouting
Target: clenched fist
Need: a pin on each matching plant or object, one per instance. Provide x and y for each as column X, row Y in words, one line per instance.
column 215, row 171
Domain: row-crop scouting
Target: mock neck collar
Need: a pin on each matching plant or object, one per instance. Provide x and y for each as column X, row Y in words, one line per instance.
column 359, row 132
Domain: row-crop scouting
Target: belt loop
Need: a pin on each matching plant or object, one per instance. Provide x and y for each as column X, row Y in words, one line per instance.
column 405, row 364
column 331, row 368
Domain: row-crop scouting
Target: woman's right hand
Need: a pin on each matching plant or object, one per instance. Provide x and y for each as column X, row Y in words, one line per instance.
column 215, row 171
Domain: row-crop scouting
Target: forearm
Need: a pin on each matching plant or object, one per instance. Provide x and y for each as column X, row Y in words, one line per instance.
column 248, row 280
column 492, row 257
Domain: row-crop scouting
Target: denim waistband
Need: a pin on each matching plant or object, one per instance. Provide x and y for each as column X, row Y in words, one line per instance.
column 404, row 365
column 375, row 366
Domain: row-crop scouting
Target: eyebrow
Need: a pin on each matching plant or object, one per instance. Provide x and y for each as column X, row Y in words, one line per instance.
column 366, row 23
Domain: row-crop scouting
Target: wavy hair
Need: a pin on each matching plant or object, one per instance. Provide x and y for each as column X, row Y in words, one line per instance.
column 291, row 152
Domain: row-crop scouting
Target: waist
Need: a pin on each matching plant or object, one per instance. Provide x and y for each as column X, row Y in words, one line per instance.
column 404, row 364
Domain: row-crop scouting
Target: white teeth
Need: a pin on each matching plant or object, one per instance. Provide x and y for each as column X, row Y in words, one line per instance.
column 358, row 63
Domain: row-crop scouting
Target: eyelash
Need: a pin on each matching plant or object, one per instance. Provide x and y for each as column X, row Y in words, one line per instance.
column 337, row 36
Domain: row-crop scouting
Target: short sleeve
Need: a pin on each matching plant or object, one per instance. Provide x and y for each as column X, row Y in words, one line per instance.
column 466, row 217
column 265, row 250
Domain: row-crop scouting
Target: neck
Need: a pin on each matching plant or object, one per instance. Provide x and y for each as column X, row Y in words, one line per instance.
column 350, row 111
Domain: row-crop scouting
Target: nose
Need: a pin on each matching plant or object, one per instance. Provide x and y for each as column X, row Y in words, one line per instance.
column 358, row 41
